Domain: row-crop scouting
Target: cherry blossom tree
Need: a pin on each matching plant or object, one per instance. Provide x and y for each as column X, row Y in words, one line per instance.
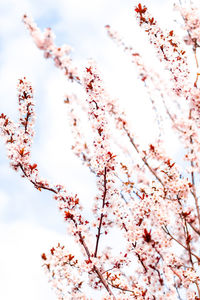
column 144, row 195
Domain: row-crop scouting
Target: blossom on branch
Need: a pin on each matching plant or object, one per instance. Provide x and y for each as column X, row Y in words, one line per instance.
column 45, row 42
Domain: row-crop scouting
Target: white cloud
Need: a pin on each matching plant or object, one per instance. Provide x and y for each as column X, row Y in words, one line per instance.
column 21, row 275
column 3, row 201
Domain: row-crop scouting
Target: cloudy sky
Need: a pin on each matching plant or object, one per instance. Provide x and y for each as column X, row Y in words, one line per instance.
column 29, row 221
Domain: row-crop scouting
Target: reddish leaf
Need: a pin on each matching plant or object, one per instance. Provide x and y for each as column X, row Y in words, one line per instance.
column 141, row 10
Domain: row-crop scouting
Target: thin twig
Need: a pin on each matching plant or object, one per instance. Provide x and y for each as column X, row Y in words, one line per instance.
column 143, row 159
column 173, row 238
column 102, row 215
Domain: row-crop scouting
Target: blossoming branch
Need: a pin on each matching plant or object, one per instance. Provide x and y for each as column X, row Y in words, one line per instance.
column 143, row 195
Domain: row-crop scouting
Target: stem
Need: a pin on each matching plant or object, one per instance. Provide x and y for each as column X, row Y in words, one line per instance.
column 192, row 176
column 195, row 229
column 102, row 215
column 190, row 255
column 195, row 55
column 36, row 185
column 122, row 289
column 173, row 238
column 188, row 244
column 104, row 282
column 97, row 271
column 138, row 255
column 143, row 159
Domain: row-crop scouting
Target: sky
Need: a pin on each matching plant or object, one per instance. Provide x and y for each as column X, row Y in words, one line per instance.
column 30, row 223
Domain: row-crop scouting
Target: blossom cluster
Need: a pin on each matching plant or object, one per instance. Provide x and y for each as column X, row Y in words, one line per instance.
column 19, row 136
column 168, row 48
column 191, row 24
column 45, row 42
column 58, row 264
column 136, row 57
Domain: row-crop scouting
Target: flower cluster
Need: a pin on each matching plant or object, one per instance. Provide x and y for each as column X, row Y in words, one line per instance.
column 191, row 24
column 103, row 161
column 19, row 136
column 136, row 57
column 45, row 42
column 168, row 48
column 80, row 146
column 63, row 270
